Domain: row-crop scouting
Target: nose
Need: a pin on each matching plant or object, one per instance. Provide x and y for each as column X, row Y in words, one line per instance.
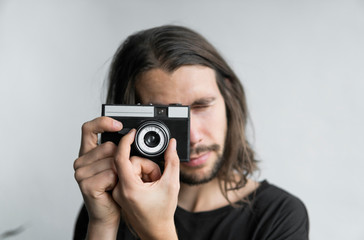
column 195, row 131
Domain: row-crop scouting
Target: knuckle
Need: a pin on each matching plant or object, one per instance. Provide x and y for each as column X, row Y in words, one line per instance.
column 78, row 175
column 118, row 161
column 174, row 187
column 128, row 196
column 84, row 186
column 76, row 164
column 109, row 146
column 173, row 161
column 103, row 121
column 176, row 163
column 111, row 175
column 134, row 159
column 88, row 190
column 104, row 118
column 85, row 126
column 92, row 187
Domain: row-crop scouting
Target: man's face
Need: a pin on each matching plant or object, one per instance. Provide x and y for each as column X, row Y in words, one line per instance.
column 194, row 86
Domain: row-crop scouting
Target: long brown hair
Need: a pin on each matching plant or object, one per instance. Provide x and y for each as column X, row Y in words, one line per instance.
column 170, row 47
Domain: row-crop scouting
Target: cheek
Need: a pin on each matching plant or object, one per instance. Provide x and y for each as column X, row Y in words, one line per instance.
column 222, row 119
column 217, row 125
column 223, row 128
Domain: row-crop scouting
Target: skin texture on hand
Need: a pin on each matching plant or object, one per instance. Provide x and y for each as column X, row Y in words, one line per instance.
column 144, row 194
column 111, row 181
column 96, row 175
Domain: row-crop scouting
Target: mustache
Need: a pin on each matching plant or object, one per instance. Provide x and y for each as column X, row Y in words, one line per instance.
column 204, row 148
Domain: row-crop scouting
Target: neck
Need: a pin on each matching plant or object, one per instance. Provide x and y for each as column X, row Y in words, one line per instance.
column 198, row 198
column 208, row 196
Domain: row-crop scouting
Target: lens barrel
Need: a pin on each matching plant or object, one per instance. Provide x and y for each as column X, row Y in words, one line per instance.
column 152, row 138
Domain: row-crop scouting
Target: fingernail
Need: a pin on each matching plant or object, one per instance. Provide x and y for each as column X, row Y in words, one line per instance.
column 174, row 144
column 117, row 124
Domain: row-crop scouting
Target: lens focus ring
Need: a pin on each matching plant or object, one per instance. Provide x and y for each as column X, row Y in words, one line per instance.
column 152, row 138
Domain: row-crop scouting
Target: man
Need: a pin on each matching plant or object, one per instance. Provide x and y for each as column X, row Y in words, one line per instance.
column 209, row 197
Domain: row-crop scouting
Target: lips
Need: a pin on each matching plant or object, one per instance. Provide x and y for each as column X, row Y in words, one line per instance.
column 196, row 161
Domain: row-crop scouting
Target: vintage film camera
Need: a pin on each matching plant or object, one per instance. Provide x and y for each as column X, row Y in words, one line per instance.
column 155, row 125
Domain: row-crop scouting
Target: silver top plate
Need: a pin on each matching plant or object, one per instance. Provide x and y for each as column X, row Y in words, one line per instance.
column 143, row 111
column 129, row 111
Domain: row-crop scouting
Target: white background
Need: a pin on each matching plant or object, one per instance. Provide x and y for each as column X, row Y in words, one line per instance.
column 301, row 62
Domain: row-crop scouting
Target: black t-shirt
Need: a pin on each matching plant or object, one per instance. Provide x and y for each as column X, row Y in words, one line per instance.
column 271, row 213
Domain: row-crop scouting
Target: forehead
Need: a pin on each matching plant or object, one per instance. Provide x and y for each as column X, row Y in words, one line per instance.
column 184, row 85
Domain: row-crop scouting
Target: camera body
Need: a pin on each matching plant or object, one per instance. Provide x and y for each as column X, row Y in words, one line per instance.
column 155, row 125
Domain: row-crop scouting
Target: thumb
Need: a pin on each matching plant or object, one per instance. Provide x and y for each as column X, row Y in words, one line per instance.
column 172, row 163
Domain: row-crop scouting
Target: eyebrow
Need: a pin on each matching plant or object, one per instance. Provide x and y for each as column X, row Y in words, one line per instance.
column 203, row 101
column 200, row 101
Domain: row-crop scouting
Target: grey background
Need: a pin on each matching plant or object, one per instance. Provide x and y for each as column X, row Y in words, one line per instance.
column 301, row 62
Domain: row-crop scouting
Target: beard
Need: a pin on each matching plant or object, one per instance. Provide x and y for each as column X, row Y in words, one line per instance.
column 194, row 179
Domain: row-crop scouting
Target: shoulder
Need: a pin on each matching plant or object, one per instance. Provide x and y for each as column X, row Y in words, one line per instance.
column 269, row 195
column 283, row 213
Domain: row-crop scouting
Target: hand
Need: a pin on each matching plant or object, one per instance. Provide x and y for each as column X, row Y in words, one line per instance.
column 96, row 174
column 147, row 198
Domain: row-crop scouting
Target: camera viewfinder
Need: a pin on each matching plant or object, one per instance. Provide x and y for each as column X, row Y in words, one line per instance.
column 161, row 111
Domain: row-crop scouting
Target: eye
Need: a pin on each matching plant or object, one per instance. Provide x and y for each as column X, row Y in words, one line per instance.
column 199, row 106
column 203, row 104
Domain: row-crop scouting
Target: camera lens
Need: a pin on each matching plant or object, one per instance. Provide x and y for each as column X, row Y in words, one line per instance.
column 152, row 139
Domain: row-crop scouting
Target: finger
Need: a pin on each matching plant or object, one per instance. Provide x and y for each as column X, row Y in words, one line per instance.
column 92, row 128
column 145, row 169
column 94, row 169
column 172, row 163
column 102, row 151
column 98, row 184
column 122, row 157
